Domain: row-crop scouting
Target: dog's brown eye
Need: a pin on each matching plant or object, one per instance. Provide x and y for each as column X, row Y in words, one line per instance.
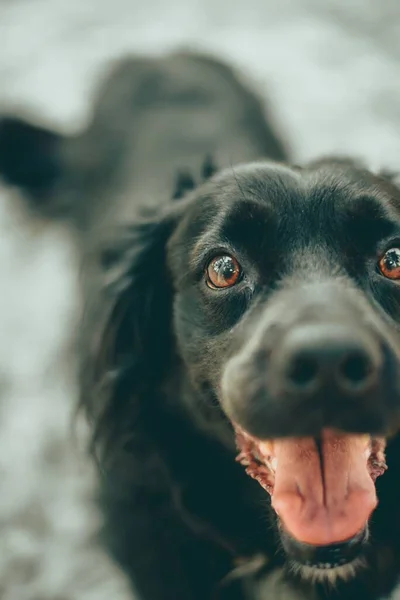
column 223, row 272
column 389, row 264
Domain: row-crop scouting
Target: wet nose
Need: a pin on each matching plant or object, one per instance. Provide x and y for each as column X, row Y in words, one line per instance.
column 315, row 357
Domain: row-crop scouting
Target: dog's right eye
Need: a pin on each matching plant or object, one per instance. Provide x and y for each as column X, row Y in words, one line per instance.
column 389, row 264
column 223, row 271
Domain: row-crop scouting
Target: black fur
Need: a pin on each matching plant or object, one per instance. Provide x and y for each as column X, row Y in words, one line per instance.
column 30, row 160
column 28, row 154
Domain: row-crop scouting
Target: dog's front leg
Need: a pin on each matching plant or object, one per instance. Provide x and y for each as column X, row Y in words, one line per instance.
column 164, row 559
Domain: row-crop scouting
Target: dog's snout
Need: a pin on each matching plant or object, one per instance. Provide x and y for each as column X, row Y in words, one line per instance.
column 311, row 358
column 315, row 374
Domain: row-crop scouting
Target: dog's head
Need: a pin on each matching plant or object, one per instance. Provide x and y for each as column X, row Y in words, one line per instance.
column 277, row 291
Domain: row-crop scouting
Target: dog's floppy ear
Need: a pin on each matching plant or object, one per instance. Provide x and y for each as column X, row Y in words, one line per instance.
column 29, row 155
column 127, row 334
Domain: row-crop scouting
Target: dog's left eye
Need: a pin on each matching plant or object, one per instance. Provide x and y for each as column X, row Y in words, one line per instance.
column 389, row 264
column 222, row 272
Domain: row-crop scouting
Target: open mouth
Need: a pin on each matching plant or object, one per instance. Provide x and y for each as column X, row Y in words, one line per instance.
column 322, row 490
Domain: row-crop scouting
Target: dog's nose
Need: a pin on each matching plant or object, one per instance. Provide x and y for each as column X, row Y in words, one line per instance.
column 314, row 357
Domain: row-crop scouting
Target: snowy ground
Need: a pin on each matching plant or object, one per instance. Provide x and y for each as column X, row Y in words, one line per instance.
column 332, row 71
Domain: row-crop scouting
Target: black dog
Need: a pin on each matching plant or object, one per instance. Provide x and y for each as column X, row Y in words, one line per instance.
column 268, row 296
column 257, row 315
column 254, row 317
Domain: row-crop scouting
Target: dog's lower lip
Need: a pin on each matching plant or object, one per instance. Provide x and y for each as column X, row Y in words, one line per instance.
column 324, row 557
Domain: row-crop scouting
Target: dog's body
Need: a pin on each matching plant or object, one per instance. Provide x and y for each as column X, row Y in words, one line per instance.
column 259, row 307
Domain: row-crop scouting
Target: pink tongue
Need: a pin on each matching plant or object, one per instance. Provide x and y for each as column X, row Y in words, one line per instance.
column 328, row 508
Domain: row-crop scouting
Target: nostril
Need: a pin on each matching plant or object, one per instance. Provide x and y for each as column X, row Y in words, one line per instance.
column 355, row 370
column 303, row 372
